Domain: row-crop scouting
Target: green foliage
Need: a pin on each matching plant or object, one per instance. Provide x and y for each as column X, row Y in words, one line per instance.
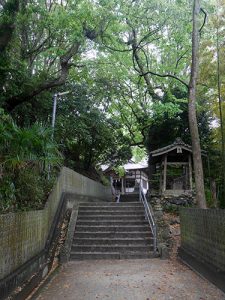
column 208, row 197
column 119, row 170
column 138, row 154
column 26, row 147
column 112, row 105
column 25, row 156
column 32, row 189
column 88, row 136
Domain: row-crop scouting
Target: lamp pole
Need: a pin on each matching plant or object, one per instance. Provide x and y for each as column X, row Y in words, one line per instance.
column 55, row 97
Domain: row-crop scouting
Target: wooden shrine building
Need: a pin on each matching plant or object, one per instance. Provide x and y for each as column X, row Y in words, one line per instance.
column 135, row 175
column 172, row 169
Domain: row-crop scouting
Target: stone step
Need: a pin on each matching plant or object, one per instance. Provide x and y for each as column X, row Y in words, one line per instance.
column 138, row 212
column 129, row 198
column 109, row 230
column 138, row 255
column 111, row 248
column 111, row 255
column 109, row 234
column 112, row 228
column 100, row 204
column 112, row 208
column 75, row 255
column 111, row 218
column 111, row 222
column 113, row 241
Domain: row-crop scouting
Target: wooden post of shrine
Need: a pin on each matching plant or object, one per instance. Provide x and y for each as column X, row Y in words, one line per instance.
column 190, row 171
column 164, row 173
column 161, row 180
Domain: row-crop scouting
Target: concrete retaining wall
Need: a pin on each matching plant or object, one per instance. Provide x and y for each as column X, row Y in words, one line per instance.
column 24, row 235
column 203, row 235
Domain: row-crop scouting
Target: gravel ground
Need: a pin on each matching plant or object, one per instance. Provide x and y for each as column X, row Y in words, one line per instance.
column 147, row 279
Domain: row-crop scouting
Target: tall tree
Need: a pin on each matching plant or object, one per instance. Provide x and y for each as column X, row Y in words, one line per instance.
column 43, row 44
column 197, row 158
column 219, row 91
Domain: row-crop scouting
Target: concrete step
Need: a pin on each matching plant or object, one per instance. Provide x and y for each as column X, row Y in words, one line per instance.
column 75, row 255
column 138, row 212
column 100, row 204
column 108, row 234
column 111, row 255
column 138, row 255
column 115, row 222
column 112, row 231
column 133, row 208
column 111, row 218
column 112, row 228
column 111, row 248
column 113, row 241
column 129, row 198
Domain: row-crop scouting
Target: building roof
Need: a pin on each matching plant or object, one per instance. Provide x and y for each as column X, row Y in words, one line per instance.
column 104, row 167
column 135, row 166
column 131, row 165
column 178, row 145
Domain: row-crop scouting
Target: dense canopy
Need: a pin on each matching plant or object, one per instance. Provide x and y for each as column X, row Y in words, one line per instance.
column 127, row 68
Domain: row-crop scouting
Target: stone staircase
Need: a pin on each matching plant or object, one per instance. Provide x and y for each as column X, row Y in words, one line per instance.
column 129, row 198
column 111, row 231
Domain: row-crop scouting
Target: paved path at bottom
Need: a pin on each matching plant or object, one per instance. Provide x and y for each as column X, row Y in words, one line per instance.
column 147, row 279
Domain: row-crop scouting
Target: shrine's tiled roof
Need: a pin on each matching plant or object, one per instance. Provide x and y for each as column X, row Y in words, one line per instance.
column 178, row 144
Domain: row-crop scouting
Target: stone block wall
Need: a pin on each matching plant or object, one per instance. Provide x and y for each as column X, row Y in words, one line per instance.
column 24, row 234
column 203, row 235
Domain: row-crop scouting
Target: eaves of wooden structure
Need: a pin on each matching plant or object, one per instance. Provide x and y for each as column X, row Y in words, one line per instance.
column 177, row 155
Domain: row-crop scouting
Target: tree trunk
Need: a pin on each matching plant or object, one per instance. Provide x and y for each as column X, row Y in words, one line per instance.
column 221, row 118
column 197, row 159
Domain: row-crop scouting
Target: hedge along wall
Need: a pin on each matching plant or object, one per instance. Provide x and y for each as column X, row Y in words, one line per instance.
column 24, row 234
column 203, row 235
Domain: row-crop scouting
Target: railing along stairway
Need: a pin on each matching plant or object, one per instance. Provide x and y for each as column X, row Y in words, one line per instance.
column 149, row 216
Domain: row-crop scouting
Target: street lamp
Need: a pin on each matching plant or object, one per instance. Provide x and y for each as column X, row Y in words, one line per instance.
column 55, row 96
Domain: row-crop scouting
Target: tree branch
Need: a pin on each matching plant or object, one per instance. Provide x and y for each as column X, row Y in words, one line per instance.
column 64, row 70
column 150, row 33
column 114, row 49
column 181, row 57
column 166, row 75
column 204, row 21
column 65, row 65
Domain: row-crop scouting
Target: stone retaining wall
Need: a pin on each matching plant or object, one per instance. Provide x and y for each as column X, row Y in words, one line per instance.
column 203, row 235
column 24, row 234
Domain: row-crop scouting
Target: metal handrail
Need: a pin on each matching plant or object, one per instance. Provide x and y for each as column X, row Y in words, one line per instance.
column 149, row 216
